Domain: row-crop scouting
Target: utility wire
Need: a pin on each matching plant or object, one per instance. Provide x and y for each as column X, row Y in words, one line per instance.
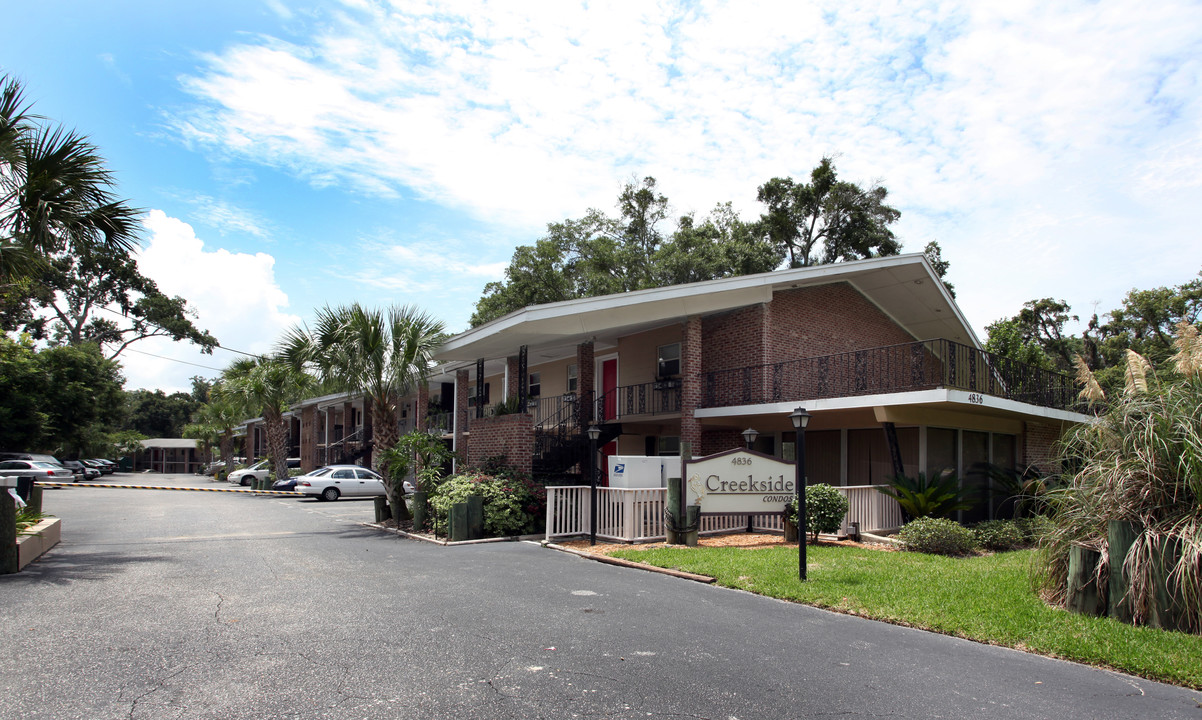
column 218, row 345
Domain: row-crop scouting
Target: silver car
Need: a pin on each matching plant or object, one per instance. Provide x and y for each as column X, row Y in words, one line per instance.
column 37, row 469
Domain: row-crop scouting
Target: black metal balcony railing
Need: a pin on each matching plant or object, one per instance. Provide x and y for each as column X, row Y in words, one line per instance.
column 440, row 422
column 555, row 411
column 652, row 398
column 921, row 365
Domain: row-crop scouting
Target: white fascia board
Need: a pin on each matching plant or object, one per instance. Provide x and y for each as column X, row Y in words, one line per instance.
column 965, row 400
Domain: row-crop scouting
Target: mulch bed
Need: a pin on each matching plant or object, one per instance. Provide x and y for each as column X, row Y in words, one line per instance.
column 751, row 541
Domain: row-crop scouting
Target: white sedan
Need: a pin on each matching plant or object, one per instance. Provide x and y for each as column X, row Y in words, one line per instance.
column 334, row 481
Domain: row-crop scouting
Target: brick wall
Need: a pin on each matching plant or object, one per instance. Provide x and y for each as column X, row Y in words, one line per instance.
column 736, row 339
column 509, row 435
column 462, row 412
column 825, row 320
column 691, row 361
column 1040, row 446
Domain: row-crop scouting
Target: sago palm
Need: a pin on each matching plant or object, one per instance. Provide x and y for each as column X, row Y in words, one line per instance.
column 382, row 355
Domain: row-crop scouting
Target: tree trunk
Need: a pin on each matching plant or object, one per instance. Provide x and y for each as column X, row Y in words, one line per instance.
column 277, row 443
column 386, row 433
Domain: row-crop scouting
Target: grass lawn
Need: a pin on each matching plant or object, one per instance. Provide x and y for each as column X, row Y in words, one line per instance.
column 987, row 599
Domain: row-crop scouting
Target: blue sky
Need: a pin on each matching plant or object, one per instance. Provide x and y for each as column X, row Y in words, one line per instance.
column 291, row 155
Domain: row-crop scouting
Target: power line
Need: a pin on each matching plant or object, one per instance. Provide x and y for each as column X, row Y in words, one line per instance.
column 161, row 357
column 217, row 345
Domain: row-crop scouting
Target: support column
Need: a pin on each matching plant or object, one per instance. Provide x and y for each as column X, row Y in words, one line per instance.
column 586, row 373
column 308, row 439
column 368, row 432
column 690, row 384
column 460, row 419
column 513, row 363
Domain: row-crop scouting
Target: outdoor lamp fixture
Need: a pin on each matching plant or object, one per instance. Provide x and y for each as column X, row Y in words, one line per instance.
column 594, row 432
column 800, row 418
column 749, row 436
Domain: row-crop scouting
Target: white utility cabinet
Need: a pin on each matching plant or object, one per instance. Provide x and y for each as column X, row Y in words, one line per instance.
column 638, row 471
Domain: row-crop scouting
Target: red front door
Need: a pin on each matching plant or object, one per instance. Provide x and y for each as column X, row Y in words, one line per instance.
column 609, row 383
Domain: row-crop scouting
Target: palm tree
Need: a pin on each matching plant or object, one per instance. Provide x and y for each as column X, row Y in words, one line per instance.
column 268, row 386
column 381, row 354
column 215, row 422
column 54, row 192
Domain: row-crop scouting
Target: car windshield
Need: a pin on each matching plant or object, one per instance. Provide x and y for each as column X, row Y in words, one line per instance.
column 320, row 472
column 259, row 465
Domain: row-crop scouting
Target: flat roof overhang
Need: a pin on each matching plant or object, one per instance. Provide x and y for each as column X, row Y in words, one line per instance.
column 941, row 406
column 904, row 287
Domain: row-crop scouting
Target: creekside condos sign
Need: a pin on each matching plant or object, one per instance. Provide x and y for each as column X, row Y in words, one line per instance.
column 740, row 482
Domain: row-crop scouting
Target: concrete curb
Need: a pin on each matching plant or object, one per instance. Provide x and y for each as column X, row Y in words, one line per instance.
column 436, row 541
column 631, row 564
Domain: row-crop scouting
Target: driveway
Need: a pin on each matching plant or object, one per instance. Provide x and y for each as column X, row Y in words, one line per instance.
column 166, row 604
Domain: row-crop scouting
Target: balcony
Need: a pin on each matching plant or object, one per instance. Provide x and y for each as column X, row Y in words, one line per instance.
column 924, row 365
column 651, row 398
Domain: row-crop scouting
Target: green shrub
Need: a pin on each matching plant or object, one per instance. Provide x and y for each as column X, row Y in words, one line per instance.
column 1034, row 528
column 513, row 504
column 999, row 535
column 937, row 536
column 825, row 509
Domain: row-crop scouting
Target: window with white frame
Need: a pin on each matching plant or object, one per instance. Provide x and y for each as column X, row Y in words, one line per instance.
column 668, row 360
column 572, row 375
column 535, row 388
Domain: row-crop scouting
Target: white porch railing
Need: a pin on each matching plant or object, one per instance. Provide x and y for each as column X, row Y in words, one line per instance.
column 635, row 515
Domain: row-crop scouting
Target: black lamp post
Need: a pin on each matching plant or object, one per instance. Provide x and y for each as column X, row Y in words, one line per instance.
column 749, row 436
column 594, row 432
column 800, row 418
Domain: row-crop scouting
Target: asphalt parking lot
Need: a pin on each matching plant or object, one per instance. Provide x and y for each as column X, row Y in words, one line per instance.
column 162, row 604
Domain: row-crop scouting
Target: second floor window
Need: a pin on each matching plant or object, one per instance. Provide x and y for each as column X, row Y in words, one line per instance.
column 536, row 385
column 572, row 373
column 668, row 361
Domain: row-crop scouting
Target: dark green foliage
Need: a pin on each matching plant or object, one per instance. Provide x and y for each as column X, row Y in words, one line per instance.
column 156, row 414
column 999, row 535
column 1023, row 492
column 938, row 536
column 846, row 221
column 601, row 255
column 22, row 385
column 513, row 503
column 937, row 496
column 825, row 509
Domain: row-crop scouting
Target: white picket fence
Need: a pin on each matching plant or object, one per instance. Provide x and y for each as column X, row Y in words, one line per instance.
column 637, row 515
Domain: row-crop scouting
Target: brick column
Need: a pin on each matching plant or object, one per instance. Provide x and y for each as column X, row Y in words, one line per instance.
column 461, row 412
column 690, row 384
column 308, row 439
column 368, row 431
column 586, row 370
column 511, row 378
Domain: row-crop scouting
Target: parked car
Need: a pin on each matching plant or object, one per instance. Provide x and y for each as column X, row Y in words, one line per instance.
column 29, row 456
column 37, row 469
column 258, row 471
column 334, row 481
column 107, row 467
column 98, row 466
column 80, row 470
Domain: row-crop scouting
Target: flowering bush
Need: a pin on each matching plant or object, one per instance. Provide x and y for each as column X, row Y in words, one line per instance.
column 513, row 504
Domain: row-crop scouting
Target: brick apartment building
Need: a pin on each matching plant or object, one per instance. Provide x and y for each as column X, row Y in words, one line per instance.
column 876, row 350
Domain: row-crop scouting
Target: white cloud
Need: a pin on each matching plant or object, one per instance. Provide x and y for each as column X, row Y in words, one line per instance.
column 235, row 296
column 1037, row 142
